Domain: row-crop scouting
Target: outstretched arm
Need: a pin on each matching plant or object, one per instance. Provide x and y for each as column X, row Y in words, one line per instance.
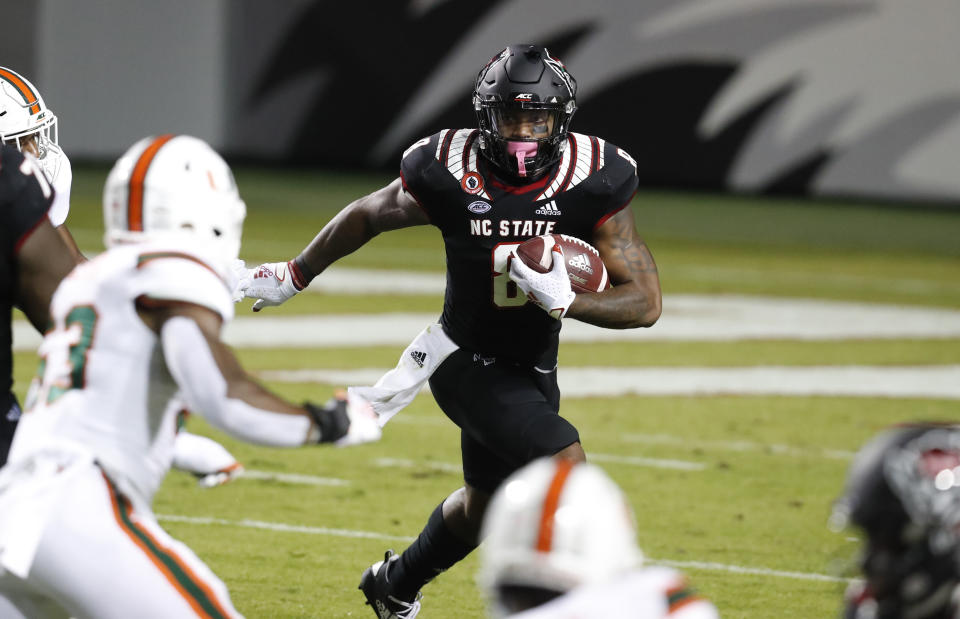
column 388, row 208
column 213, row 384
column 635, row 300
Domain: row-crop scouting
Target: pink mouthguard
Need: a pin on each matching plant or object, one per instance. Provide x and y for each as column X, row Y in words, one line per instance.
column 522, row 150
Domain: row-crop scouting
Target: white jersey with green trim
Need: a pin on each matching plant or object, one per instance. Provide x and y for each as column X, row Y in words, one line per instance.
column 103, row 385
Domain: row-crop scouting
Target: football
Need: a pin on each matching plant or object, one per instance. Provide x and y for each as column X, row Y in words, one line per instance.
column 584, row 267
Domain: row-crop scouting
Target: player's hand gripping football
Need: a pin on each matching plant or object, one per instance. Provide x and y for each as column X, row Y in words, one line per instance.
column 550, row 290
column 270, row 284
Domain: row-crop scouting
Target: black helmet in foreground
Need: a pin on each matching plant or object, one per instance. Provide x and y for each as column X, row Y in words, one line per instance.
column 903, row 493
column 524, row 99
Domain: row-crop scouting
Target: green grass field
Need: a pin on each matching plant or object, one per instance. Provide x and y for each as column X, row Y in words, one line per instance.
column 749, row 528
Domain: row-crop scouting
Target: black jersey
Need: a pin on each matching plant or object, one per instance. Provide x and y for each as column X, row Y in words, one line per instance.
column 482, row 219
column 23, row 206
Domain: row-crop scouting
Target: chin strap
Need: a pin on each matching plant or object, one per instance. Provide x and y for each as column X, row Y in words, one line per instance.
column 522, row 150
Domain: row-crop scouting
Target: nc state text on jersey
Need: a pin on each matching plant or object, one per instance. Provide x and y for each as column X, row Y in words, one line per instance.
column 519, row 228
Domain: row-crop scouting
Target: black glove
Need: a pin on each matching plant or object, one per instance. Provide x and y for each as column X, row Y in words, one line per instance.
column 332, row 419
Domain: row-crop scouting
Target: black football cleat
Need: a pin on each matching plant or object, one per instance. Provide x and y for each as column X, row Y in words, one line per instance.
column 375, row 584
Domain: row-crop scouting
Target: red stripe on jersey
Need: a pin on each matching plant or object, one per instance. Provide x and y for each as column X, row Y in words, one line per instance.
column 550, row 504
column 445, row 147
column 595, row 161
column 573, row 164
column 467, row 147
column 23, row 238
column 535, row 185
column 135, row 191
column 406, row 188
column 552, row 177
column 603, row 219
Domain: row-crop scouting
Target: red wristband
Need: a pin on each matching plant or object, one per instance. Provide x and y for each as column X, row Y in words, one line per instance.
column 296, row 275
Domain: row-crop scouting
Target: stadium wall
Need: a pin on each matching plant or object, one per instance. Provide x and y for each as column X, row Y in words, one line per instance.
column 853, row 98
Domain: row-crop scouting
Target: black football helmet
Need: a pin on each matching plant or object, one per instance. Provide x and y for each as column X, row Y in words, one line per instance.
column 903, row 493
column 524, row 83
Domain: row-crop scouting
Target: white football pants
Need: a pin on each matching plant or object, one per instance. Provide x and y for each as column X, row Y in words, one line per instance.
column 97, row 557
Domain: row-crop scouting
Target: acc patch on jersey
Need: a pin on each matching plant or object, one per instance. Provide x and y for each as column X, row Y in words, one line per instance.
column 479, row 207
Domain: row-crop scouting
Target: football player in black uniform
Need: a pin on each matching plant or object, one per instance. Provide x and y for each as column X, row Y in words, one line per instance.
column 520, row 174
column 903, row 494
column 34, row 259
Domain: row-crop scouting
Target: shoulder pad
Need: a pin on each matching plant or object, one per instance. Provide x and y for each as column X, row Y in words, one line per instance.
column 182, row 276
column 458, row 150
column 583, row 156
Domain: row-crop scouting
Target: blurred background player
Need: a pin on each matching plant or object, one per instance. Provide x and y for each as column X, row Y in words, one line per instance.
column 560, row 543
column 133, row 331
column 33, row 260
column 492, row 361
column 903, row 494
column 28, row 124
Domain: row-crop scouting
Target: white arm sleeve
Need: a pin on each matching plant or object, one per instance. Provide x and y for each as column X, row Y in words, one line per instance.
column 204, row 390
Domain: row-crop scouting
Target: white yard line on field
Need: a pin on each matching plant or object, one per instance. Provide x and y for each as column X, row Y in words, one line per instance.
column 660, row 439
column 938, row 381
column 286, row 528
column 293, row 478
column 340, row 280
column 740, row 569
column 691, row 443
column 685, row 317
column 446, row 467
column 657, row 463
column 289, row 528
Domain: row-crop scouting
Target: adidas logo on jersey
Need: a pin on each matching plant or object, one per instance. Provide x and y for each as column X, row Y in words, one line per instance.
column 581, row 262
column 550, row 208
column 418, row 357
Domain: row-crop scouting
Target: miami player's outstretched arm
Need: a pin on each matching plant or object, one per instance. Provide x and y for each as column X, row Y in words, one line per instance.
column 213, row 384
column 635, row 300
column 388, row 208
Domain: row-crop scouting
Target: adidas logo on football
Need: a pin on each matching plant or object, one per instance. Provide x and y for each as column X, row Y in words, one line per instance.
column 580, row 261
column 550, row 208
column 418, row 357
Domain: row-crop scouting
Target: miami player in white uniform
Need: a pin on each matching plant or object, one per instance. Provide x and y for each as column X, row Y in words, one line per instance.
column 136, row 333
column 27, row 123
column 560, row 543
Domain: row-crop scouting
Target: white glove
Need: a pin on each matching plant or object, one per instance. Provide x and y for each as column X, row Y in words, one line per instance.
column 550, row 290
column 239, row 279
column 364, row 425
column 270, row 284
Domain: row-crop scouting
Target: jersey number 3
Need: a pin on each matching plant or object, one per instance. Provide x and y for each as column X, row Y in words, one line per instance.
column 63, row 357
